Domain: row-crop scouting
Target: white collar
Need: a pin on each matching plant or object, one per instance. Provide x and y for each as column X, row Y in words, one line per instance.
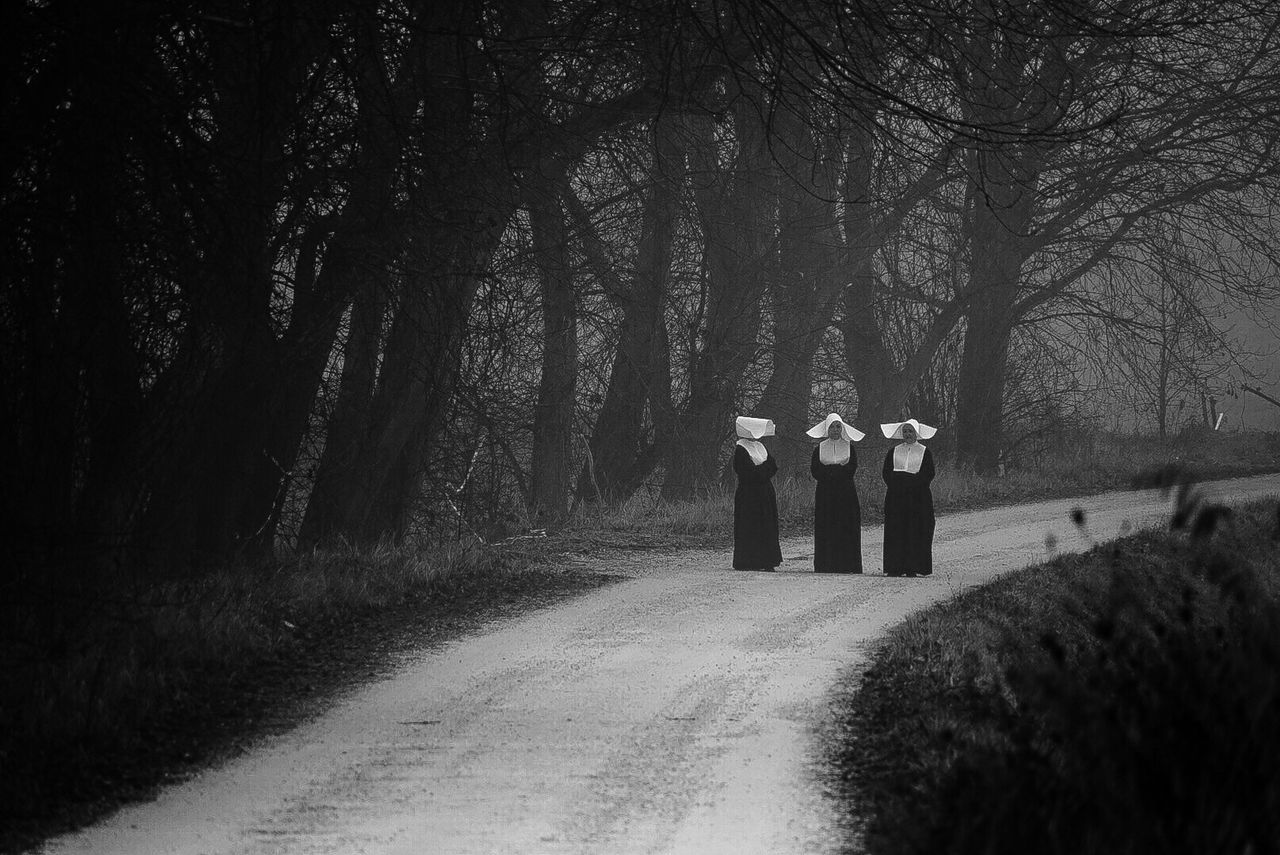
column 833, row 451
column 907, row 457
column 755, row 448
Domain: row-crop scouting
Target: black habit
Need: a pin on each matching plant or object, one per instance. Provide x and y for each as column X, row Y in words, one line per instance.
column 908, row 519
column 755, row 514
column 837, row 515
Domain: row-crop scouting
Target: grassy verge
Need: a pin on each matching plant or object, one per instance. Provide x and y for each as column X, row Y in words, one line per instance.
column 1121, row 701
column 109, row 694
column 1114, row 463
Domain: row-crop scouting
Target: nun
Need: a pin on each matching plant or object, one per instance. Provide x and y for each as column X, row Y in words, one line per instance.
column 837, row 514
column 755, row 505
column 908, row 501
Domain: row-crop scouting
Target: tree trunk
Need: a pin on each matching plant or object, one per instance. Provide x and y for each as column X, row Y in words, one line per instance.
column 367, row 482
column 737, row 241
column 75, row 392
column 620, row 459
column 223, row 387
column 980, row 394
column 1162, row 386
column 805, row 286
column 801, row 314
column 95, row 303
column 881, row 391
column 551, row 469
column 350, row 420
column 1000, row 217
column 354, row 259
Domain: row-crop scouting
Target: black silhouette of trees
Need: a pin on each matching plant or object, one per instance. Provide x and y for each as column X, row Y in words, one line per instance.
column 279, row 273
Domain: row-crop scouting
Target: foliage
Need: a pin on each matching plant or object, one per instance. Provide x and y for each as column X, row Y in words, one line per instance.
column 1121, row 701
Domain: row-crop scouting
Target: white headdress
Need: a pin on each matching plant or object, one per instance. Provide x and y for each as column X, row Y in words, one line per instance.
column 751, row 430
column 849, row 432
column 893, row 430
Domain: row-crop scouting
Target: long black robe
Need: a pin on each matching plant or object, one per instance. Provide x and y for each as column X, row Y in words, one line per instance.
column 837, row 515
column 755, row 514
column 908, row 519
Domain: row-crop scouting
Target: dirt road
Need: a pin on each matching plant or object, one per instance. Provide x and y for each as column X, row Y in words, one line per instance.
column 674, row 712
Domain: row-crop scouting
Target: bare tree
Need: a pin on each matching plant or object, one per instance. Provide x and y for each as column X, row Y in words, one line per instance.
column 1164, row 346
column 1088, row 136
column 362, row 258
column 808, row 275
column 552, row 464
column 731, row 194
column 639, row 375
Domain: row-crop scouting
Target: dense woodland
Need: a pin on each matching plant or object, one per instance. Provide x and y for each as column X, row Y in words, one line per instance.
column 278, row 274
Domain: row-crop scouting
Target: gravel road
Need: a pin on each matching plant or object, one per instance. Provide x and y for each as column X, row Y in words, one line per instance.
column 674, row 712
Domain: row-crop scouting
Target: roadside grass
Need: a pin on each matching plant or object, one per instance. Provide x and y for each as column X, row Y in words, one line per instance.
column 109, row 693
column 1111, row 462
column 1122, row 701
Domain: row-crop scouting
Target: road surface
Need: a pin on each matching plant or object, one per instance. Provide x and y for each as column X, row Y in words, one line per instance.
column 674, row 712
